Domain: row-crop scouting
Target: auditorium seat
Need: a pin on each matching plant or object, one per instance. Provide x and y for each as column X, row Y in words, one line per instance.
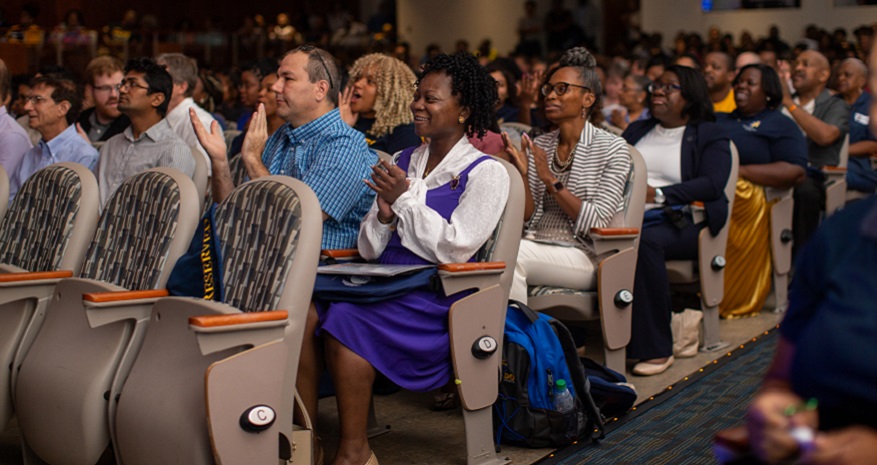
column 836, row 180
column 706, row 275
column 611, row 300
column 68, row 383
column 781, row 243
column 205, row 364
column 43, row 237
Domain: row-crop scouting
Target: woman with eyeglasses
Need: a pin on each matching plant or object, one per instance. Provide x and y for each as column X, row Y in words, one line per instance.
column 773, row 153
column 689, row 160
column 575, row 178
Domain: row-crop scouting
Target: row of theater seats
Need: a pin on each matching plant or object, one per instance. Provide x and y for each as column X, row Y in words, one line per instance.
column 98, row 354
column 93, row 360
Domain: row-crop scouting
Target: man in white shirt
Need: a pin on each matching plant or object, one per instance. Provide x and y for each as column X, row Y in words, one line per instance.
column 149, row 141
column 184, row 71
column 14, row 141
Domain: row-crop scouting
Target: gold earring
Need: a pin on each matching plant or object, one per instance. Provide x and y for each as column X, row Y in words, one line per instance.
column 461, row 119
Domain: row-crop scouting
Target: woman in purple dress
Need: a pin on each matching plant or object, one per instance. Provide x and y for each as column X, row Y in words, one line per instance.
column 438, row 204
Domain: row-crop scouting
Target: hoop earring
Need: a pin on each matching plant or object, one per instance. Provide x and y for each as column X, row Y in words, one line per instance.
column 461, row 119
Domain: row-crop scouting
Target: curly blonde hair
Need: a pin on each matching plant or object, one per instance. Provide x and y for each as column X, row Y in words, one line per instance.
column 395, row 89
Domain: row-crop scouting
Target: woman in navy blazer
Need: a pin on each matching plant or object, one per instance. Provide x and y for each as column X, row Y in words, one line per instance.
column 689, row 159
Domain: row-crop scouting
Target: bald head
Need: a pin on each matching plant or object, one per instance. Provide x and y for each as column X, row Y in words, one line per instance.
column 747, row 58
column 851, row 79
column 810, row 72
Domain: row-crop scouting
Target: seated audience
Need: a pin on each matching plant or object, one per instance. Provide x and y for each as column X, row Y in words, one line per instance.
column 103, row 120
column 826, row 348
column 14, row 141
column 53, row 106
column 437, row 204
column 688, row 158
column 273, row 121
column 718, row 70
column 634, row 92
column 150, row 141
column 772, row 154
column 376, row 101
column 824, row 121
column 249, row 85
column 508, row 108
column 851, row 80
column 184, row 71
column 574, row 179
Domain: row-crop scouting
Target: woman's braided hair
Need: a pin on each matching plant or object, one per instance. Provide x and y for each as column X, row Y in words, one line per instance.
column 472, row 85
column 395, row 89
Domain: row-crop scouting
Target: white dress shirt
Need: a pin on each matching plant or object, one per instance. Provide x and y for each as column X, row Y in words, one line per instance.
column 422, row 229
column 179, row 120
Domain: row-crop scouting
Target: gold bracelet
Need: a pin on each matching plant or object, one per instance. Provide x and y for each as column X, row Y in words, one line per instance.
column 383, row 221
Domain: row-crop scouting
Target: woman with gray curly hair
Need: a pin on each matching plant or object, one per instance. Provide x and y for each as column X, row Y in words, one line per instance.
column 376, row 101
column 575, row 180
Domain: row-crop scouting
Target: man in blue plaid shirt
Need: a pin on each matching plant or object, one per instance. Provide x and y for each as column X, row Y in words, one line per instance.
column 314, row 146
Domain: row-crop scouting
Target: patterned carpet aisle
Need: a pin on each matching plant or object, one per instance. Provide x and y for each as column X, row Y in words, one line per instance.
column 677, row 426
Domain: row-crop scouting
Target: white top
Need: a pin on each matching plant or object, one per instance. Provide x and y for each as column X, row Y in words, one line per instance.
column 422, row 229
column 662, row 151
column 182, row 125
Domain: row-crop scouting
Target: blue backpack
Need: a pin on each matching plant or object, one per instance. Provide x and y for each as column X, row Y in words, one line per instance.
column 537, row 351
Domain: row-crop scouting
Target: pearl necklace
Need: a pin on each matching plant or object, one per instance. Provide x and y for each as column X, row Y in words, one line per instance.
column 563, row 166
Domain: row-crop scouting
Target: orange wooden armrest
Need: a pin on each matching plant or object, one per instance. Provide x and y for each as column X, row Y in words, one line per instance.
column 214, row 321
column 736, row 438
column 614, row 231
column 833, row 169
column 471, row 266
column 34, row 276
column 340, row 253
column 697, row 203
column 118, row 296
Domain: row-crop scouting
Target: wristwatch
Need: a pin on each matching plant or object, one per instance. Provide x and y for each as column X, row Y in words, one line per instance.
column 558, row 186
column 659, row 196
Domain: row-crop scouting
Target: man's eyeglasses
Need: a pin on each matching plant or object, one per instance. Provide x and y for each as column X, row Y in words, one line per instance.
column 129, row 83
column 108, row 88
column 308, row 48
column 35, row 99
column 664, row 88
column 560, row 88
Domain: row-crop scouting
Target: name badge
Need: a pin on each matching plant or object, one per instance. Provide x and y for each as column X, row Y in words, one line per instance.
column 861, row 119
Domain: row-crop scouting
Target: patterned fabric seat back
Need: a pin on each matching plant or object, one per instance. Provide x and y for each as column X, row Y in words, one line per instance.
column 258, row 231
column 36, row 230
column 238, row 170
column 135, row 232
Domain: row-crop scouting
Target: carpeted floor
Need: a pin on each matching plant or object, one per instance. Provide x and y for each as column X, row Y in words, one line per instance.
column 677, row 425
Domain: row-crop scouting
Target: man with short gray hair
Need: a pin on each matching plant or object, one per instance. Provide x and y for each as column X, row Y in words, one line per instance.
column 852, row 75
column 184, row 71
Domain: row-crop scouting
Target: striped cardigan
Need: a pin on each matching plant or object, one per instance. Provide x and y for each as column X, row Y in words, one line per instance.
column 599, row 174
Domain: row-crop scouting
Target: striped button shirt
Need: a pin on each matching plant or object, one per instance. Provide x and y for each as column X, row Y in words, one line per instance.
column 332, row 159
column 124, row 156
column 598, row 176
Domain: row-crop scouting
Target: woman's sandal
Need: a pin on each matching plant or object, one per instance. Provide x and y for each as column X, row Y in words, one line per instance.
column 445, row 401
